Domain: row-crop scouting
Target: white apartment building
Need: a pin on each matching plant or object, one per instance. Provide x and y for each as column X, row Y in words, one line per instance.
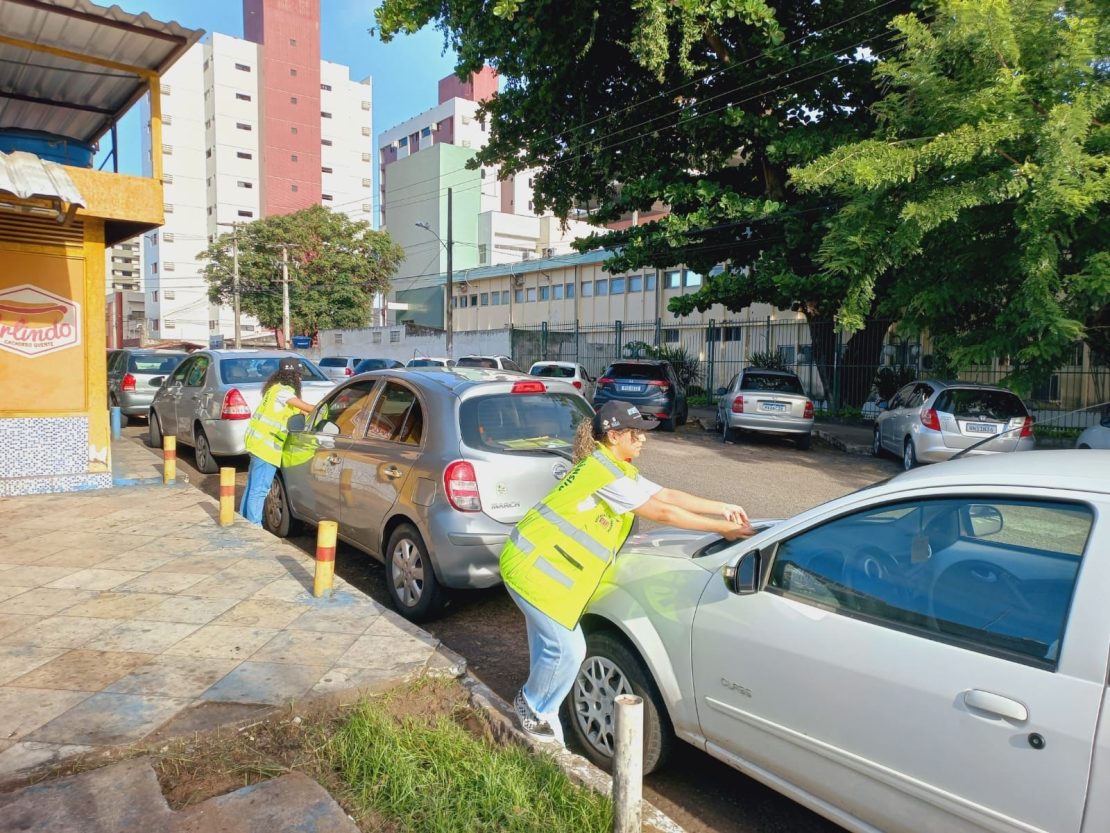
column 123, row 266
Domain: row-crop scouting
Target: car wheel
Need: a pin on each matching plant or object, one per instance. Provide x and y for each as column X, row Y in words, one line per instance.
column 410, row 578
column 611, row 668
column 668, row 424
column 877, row 443
column 804, row 442
column 909, row 455
column 1084, row 445
column 154, row 431
column 685, row 414
column 206, row 463
column 277, row 517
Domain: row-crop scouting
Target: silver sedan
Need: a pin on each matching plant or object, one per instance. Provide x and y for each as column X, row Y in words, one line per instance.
column 765, row 401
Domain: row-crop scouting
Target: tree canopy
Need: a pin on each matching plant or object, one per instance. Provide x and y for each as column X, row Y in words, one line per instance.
column 336, row 265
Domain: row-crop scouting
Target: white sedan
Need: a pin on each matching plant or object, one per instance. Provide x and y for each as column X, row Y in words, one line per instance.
column 927, row 654
column 1097, row 436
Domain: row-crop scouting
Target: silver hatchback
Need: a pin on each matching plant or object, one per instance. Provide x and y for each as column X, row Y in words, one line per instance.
column 134, row 375
column 208, row 400
column 929, row 421
column 427, row 470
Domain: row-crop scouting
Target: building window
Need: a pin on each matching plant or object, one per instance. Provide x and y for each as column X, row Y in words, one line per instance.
column 326, row 171
column 169, row 267
column 326, row 87
column 530, row 294
column 617, row 287
column 242, row 67
column 485, row 299
column 376, row 337
column 292, row 73
column 242, row 154
column 167, row 119
column 208, row 124
column 425, row 132
column 394, row 336
column 495, row 299
column 326, row 142
column 242, row 96
column 292, row 157
column 244, row 213
column 166, row 89
column 732, row 333
column 242, row 125
column 293, row 130
column 292, row 41
column 635, row 284
column 247, row 328
column 208, row 182
column 154, row 297
column 473, row 300
column 518, row 296
column 366, row 157
column 208, row 153
column 242, row 183
column 670, row 336
column 601, row 287
column 545, row 293
column 170, row 325
column 169, row 294
column 324, row 114
column 167, row 179
column 692, row 278
column 557, row 292
column 167, row 150
column 674, row 280
column 167, row 236
column 403, row 141
column 366, row 105
column 587, row 289
column 570, row 290
column 326, row 197
column 167, row 208
column 366, row 183
column 366, row 131
column 154, row 271
column 529, row 205
column 483, row 252
column 292, row 99
column 366, row 207
column 209, row 211
column 649, row 282
column 338, row 338
column 294, row 188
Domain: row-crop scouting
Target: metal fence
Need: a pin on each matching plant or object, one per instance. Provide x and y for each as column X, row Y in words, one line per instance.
column 840, row 373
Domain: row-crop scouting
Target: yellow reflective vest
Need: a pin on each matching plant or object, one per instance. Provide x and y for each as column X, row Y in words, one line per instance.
column 266, row 432
column 557, row 554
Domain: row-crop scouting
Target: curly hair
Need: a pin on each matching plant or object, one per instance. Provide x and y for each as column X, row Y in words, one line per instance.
column 291, row 378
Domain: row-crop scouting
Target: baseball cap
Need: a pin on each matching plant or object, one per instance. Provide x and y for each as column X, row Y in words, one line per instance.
column 290, row 363
column 616, row 415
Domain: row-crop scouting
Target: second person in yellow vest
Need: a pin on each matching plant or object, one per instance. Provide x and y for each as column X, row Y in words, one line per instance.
column 554, row 559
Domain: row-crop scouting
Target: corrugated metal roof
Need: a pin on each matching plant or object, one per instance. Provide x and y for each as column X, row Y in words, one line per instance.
column 58, row 95
column 28, row 177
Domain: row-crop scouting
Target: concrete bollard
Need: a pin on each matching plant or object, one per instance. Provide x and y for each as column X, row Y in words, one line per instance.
column 227, row 496
column 628, row 763
column 325, row 558
column 169, row 460
column 116, row 420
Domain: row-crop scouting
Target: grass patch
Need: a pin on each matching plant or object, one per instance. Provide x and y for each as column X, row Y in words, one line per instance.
column 435, row 776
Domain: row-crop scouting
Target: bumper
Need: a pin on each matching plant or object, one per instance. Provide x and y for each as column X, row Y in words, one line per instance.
column 225, row 436
column 933, row 450
column 466, row 548
column 770, row 424
column 133, row 403
column 649, row 406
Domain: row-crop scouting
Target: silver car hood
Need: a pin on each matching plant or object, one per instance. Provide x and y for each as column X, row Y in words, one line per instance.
column 672, row 542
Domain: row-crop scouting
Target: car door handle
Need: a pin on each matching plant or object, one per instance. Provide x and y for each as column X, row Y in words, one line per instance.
column 986, row 701
column 392, row 472
column 333, row 459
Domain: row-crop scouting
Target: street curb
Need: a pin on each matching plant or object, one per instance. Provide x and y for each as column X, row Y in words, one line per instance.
column 577, row 768
column 836, row 442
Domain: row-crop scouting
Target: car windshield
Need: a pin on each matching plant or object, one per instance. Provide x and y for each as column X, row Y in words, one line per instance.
column 522, row 421
column 256, row 370
column 333, row 361
column 476, row 361
column 553, row 371
column 771, row 382
column 980, row 404
column 154, row 364
column 636, row 371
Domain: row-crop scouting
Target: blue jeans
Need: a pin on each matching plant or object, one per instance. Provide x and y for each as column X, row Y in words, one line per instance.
column 555, row 655
column 259, row 479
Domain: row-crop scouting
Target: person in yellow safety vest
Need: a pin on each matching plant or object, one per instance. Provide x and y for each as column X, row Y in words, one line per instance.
column 265, row 437
column 555, row 557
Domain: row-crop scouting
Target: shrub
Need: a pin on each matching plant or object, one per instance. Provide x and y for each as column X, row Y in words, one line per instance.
column 889, row 380
column 769, row 361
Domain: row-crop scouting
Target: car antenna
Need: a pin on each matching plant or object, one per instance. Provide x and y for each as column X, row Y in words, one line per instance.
column 986, row 440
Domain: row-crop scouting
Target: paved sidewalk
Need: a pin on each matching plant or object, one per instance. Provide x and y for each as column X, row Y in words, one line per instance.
column 129, row 610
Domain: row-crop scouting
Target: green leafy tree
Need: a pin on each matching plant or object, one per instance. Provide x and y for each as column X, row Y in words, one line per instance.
column 979, row 211
column 336, row 265
column 699, row 105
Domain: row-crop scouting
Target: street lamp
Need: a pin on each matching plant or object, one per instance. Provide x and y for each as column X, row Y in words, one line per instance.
column 449, row 246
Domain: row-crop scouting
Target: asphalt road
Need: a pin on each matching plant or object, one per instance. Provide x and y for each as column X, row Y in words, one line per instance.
column 770, row 479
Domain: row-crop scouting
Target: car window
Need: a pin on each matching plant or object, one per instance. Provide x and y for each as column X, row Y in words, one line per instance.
column 519, row 421
column 425, row 363
column 374, row 364
column 622, row 370
column 254, row 369
column 1105, row 421
column 994, row 576
column 183, row 368
column 345, row 409
column 397, row 416
column 771, row 382
column 980, row 404
column 900, row 398
column 476, row 361
column 509, row 364
column 553, row 371
column 154, row 364
column 333, row 361
column 195, row 377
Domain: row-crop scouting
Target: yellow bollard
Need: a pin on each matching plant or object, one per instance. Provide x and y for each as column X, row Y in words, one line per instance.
column 169, row 460
column 325, row 558
column 227, row 496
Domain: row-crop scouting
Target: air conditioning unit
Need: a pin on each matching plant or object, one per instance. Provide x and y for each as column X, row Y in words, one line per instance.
column 434, row 126
column 549, row 252
column 395, row 144
column 518, row 280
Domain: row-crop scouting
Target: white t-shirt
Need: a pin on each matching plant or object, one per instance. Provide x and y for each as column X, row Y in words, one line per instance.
column 626, row 494
column 284, row 394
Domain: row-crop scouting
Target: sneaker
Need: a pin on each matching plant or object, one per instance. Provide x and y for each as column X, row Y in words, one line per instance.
column 532, row 725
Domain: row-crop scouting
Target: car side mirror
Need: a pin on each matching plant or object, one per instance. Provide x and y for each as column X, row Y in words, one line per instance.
column 157, row 381
column 742, row 578
column 984, row 520
column 296, row 422
column 722, row 391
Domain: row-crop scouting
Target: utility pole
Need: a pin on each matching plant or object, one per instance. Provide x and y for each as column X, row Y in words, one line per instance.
column 449, row 318
column 285, row 294
column 235, row 281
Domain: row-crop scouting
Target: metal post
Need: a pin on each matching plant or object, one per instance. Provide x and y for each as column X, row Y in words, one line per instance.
column 448, row 317
column 543, row 340
column 711, row 355
column 836, row 374
column 577, row 360
column 235, row 280
column 285, row 296
column 116, row 422
column 658, row 330
column 617, row 346
column 628, row 763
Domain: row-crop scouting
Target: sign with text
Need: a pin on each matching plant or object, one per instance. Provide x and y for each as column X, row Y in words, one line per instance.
column 34, row 322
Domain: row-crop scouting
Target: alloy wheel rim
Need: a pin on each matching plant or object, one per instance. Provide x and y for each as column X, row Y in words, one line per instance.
column 407, row 573
column 876, row 443
column 596, row 688
column 907, row 458
column 275, row 507
column 203, row 452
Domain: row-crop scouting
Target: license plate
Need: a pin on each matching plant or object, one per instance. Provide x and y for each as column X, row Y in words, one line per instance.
column 980, row 428
column 772, row 406
column 629, row 388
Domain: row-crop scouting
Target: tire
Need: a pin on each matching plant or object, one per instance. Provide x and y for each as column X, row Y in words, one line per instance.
column 154, row 431
column 727, row 432
column 804, row 442
column 668, row 424
column 685, row 414
column 277, row 517
column 877, row 443
column 909, row 455
column 410, row 578
column 612, row 668
column 206, row 463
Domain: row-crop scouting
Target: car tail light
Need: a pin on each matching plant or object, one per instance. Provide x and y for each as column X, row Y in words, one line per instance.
column 602, row 381
column 235, row 406
column 128, row 382
column 348, row 371
column 808, row 413
column 930, row 419
column 528, row 387
column 461, row 485
column 577, row 384
column 738, row 405
column 1027, row 427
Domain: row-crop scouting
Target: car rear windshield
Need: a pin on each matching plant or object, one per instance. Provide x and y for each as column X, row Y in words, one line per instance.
column 553, row 371
column 256, row 370
column 373, row 364
column 425, row 363
column 771, row 382
column 980, row 404
column 155, row 365
column 476, row 361
column 636, row 371
column 333, row 361
column 522, row 421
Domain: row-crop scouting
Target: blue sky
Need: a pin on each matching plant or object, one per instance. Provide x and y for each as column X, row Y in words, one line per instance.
column 405, row 71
